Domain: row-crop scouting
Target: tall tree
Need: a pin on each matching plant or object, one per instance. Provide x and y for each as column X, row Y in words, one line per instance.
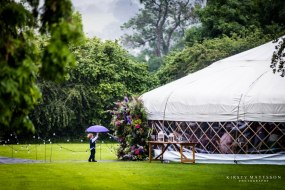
column 159, row 24
column 234, row 17
column 104, row 74
column 231, row 17
column 228, row 17
column 20, row 58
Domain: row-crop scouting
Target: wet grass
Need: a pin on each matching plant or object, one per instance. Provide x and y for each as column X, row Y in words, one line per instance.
column 59, row 151
column 69, row 170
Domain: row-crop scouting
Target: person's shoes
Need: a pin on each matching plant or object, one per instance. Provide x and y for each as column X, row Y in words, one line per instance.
column 89, row 160
column 94, row 160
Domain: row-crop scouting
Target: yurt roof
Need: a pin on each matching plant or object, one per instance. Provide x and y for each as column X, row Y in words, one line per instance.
column 240, row 87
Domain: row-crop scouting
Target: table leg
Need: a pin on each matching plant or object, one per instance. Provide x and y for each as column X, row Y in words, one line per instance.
column 162, row 151
column 193, row 152
column 181, row 152
column 149, row 152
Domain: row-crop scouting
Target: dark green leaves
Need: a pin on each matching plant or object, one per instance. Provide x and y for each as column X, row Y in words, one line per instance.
column 20, row 56
column 278, row 61
column 104, row 73
column 200, row 55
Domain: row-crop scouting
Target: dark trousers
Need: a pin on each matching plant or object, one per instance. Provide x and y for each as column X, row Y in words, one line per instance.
column 92, row 155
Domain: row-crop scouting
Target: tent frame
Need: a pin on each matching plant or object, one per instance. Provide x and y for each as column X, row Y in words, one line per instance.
column 226, row 137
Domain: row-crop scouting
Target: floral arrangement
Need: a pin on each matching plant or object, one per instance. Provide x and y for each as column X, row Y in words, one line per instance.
column 129, row 123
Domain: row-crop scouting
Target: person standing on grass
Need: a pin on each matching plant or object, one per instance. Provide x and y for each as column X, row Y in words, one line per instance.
column 92, row 141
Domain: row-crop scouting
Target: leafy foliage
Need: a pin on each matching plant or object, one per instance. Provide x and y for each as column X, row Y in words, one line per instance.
column 129, row 122
column 227, row 27
column 200, row 55
column 231, row 17
column 104, row 73
column 20, row 57
column 152, row 61
column 278, row 57
column 227, row 17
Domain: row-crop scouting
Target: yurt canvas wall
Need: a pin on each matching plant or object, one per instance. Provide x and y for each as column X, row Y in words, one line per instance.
column 235, row 107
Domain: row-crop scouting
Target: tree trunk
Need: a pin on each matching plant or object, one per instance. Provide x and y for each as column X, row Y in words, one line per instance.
column 158, row 43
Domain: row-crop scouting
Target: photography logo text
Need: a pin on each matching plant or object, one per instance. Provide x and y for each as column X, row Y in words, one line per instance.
column 254, row 178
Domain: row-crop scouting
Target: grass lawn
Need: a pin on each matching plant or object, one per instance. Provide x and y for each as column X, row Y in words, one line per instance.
column 70, row 170
column 59, row 152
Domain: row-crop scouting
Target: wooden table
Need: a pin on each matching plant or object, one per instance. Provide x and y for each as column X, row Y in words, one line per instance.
column 183, row 158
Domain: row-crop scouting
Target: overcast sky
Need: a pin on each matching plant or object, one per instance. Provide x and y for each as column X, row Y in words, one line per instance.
column 103, row 18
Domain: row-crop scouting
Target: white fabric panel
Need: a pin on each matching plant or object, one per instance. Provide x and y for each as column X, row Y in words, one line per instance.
column 278, row 158
column 242, row 86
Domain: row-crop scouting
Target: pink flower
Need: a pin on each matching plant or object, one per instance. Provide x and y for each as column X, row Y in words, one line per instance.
column 117, row 123
column 137, row 152
column 138, row 126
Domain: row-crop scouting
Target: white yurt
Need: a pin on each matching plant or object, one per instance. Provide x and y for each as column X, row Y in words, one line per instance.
column 234, row 109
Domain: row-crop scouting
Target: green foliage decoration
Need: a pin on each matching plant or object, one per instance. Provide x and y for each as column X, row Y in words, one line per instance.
column 129, row 122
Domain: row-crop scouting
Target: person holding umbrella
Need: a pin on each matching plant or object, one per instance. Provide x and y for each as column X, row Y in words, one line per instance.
column 90, row 130
column 92, row 141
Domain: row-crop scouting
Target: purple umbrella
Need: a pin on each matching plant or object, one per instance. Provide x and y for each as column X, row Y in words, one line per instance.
column 96, row 129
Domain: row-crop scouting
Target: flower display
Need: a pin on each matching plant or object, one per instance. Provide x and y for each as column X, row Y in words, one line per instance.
column 129, row 123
